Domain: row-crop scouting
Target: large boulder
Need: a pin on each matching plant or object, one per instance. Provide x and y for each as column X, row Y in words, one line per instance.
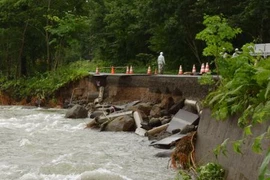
column 77, row 111
column 121, row 123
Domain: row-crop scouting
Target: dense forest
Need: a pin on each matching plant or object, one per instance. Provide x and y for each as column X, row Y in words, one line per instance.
column 39, row 36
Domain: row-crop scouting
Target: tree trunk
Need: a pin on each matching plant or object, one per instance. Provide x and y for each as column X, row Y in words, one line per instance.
column 191, row 43
column 19, row 65
column 48, row 39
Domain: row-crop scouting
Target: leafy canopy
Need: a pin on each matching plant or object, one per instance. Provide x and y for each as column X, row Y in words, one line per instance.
column 217, row 35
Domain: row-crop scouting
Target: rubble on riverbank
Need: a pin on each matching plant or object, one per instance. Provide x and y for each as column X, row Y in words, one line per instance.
column 168, row 125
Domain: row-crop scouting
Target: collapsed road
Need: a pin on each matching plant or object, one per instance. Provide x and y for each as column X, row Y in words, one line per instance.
column 122, row 89
column 165, row 108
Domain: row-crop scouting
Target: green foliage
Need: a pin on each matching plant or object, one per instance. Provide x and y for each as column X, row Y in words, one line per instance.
column 222, row 148
column 217, row 35
column 243, row 89
column 257, row 143
column 206, row 79
column 48, row 83
column 264, row 173
column 237, row 146
column 182, row 175
column 211, row 171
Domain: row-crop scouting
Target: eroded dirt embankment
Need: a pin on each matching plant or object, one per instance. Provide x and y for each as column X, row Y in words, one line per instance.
column 119, row 88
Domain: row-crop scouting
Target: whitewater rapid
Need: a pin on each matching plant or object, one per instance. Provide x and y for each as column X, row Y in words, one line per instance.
column 41, row 144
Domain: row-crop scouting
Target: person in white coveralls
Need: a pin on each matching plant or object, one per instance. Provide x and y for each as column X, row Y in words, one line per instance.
column 161, row 63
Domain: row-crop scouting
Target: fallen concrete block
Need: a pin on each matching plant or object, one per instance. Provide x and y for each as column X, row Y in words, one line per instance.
column 138, row 120
column 181, row 119
column 140, row 131
column 157, row 130
column 168, row 142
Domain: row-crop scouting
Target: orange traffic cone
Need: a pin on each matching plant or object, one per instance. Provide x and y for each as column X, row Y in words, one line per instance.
column 149, row 70
column 193, row 69
column 202, row 69
column 180, row 70
column 112, row 70
column 97, row 71
column 127, row 71
column 131, row 70
column 207, row 68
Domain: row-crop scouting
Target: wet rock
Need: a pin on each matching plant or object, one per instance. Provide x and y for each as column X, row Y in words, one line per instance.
column 96, row 114
column 145, row 125
column 122, row 123
column 77, row 111
column 164, row 112
column 154, row 122
column 92, row 124
column 162, row 154
column 90, row 107
column 155, row 111
column 165, row 120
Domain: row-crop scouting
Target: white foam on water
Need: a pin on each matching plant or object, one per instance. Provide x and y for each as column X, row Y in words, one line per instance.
column 61, row 158
column 29, row 176
column 35, row 176
column 101, row 174
column 5, row 169
column 79, row 126
column 8, row 172
column 24, row 142
column 113, row 165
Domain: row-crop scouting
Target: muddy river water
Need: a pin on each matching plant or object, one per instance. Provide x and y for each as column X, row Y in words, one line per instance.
column 41, row 144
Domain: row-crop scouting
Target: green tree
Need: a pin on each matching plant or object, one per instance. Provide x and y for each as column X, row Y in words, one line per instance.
column 25, row 42
column 217, row 36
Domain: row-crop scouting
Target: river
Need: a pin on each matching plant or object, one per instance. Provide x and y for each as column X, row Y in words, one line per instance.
column 41, row 144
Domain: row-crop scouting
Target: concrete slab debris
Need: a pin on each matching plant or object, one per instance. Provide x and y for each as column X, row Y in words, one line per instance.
column 169, row 141
column 140, row 131
column 126, row 106
column 181, row 119
column 156, row 130
column 138, row 120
